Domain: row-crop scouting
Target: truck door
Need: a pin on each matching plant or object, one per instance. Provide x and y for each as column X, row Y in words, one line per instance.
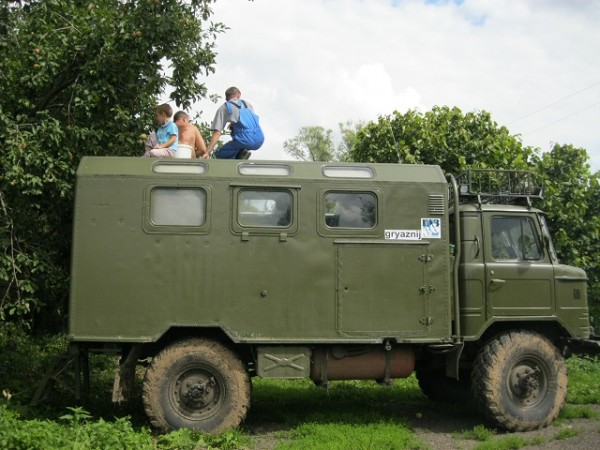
column 383, row 287
column 519, row 275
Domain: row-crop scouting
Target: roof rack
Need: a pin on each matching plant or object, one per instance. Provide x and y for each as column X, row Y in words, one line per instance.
column 498, row 186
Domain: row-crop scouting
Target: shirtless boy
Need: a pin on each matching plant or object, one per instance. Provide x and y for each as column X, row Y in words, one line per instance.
column 190, row 135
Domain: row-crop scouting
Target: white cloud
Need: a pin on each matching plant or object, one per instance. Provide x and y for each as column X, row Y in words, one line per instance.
column 321, row 62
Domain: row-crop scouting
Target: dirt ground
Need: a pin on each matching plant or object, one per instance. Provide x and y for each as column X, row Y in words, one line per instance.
column 441, row 430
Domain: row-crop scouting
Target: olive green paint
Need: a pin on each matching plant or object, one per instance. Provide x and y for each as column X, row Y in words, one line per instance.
column 133, row 280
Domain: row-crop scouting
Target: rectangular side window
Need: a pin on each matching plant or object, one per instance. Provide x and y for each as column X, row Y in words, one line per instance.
column 350, row 210
column 264, row 208
column 515, row 238
column 178, row 207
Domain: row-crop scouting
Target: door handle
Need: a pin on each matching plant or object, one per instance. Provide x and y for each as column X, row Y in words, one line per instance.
column 498, row 281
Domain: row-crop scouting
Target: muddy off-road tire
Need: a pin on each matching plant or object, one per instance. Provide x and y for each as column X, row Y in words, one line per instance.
column 198, row 384
column 440, row 388
column 519, row 381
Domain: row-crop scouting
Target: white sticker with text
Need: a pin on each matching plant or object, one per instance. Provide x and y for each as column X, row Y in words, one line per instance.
column 403, row 235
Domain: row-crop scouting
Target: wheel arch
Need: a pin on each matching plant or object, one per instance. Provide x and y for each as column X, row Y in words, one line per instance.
column 176, row 333
column 551, row 329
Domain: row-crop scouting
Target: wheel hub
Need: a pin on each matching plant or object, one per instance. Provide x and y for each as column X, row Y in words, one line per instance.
column 195, row 391
column 526, row 384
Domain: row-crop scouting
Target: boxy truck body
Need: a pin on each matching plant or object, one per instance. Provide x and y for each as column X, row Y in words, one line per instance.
column 222, row 270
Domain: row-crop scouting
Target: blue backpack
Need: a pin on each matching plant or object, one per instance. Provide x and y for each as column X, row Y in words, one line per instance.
column 247, row 130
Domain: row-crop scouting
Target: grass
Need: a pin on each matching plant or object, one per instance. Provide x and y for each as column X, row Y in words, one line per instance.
column 489, row 441
column 566, row 433
column 478, row 433
column 343, row 436
column 287, row 403
column 571, row 412
column 348, row 415
column 584, row 374
column 509, row 443
column 288, row 414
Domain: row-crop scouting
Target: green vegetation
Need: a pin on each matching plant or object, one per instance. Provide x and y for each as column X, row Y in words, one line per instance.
column 478, row 433
column 488, row 441
column 73, row 430
column 286, row 403
column 79, row 430
column 584, row 374
column 566, row 433
column 342, row 436
column 311, row 144
column 570, row 412
column 444, row 136
column 509, row 443
column 348, row 415
column 79, row 78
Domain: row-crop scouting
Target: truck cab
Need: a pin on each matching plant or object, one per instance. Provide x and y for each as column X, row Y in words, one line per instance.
column 509, row 270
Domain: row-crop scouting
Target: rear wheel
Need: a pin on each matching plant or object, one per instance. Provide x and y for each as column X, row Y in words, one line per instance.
column 520, row 381
column 198, row 384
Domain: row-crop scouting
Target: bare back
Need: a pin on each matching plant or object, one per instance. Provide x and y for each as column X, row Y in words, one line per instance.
column 190, row 135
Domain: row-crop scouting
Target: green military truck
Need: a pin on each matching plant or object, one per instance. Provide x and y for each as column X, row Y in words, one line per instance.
column 218, row 271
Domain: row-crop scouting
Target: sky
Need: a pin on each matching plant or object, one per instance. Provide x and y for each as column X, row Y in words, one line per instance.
column 533, row 64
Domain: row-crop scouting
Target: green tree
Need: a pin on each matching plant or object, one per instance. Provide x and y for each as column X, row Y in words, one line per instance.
column 443, row 136
column 79, row 78
column 312, row 143
column 349, row 131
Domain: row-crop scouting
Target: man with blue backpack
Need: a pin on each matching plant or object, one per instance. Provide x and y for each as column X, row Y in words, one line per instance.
column 246, row 134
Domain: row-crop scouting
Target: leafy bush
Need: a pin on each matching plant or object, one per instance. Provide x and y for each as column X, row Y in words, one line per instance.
column 79, row 78
column 24, row 360
column 77, row 432
column 584, row 374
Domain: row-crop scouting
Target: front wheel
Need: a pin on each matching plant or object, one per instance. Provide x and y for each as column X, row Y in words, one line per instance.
column 198, row 384
column 519, row 381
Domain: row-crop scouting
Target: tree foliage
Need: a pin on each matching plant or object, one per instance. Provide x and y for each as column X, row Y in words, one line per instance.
column 79, row 78
column 312, row 143
column 349, row 131
column 315, row 143
column 443, row 136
